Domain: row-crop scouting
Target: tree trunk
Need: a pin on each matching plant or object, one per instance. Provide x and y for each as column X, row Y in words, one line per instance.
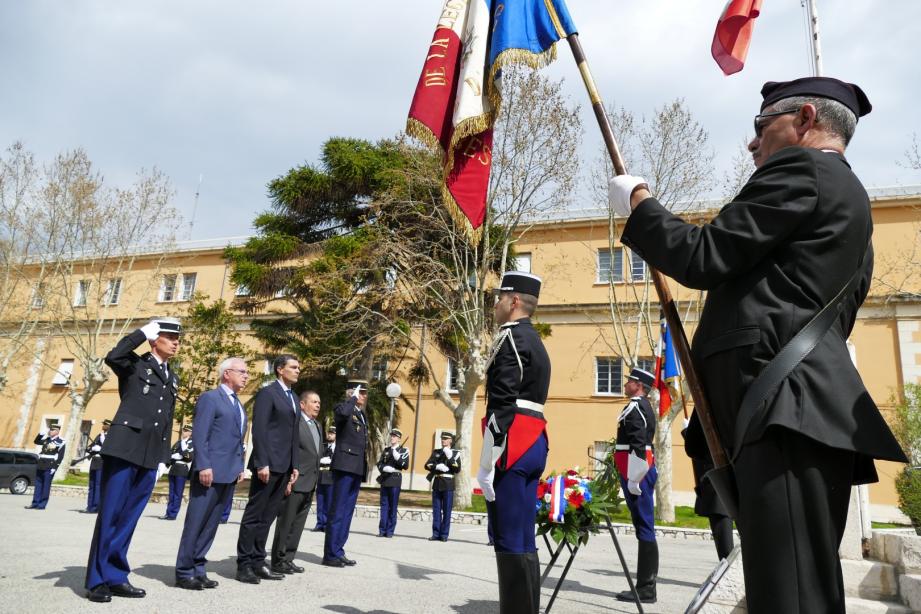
column 25, row 409
column 665, row 507
column 463, row 422
column 94, row 377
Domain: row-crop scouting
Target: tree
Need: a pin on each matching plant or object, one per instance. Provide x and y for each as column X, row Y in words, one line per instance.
column 898, row 277
column 670, row 150
column 93, row 240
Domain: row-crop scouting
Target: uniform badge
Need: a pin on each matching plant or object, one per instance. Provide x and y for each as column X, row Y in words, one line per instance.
column 149, row 371
column 146, row 389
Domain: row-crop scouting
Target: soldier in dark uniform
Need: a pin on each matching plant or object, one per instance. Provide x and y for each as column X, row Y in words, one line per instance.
column 95, row 454
column 394, row 460
column 325, row 483
column 181, row 457
column 443, row 465
column 49, row 458
column 636, row 463
column 706, row 502
column 515, row 440
column 795, row 240
column 137, row 443
column 350, row 468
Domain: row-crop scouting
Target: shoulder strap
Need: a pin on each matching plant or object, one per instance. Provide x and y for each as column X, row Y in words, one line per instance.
column 753, row 406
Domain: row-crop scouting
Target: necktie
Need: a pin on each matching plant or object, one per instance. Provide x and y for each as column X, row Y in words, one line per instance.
column 293, row 402
column 164, row 371
column 314, row 433
column 239, row 405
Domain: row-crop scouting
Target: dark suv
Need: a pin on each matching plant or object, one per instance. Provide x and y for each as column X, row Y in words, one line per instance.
column 17, row 470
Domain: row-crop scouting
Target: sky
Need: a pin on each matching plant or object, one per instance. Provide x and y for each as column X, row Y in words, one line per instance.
column 238, row 93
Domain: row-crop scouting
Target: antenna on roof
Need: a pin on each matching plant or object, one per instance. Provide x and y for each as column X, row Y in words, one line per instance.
column 195, row 204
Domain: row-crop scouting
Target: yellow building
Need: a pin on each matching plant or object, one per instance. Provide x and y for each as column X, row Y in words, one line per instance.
column 576, row 260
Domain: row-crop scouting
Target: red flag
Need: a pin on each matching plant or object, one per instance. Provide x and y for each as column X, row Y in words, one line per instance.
column 665, row 396
column 733, row 34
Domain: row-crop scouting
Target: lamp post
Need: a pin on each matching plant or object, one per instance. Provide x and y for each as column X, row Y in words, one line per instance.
column 393, row 391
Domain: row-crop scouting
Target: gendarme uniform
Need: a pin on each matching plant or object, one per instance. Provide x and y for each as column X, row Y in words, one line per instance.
column 95, row 454
column 443, row 465
column 325, row 481
column 394, row 460
column 636, row 463
column 49, row 457
column 515, row 444
column 181, row 457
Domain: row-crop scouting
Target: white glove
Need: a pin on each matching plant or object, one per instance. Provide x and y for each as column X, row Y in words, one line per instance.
column 161, row 469
column 388, row 469
column 634, row 488
column 685, row 422
column 485, row 479
column 396, row 454
column 96, row 448
column 357, row 391
column 637, row 468
column 53, row 469
column 176, row 456
column 326, row 460
column 619, row 191
column 441, row 467
column 151, row 330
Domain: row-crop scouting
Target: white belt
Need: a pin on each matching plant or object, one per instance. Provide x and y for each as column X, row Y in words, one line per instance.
column 624, row 446
column 444, row 475
column 47, row 455
column 539, row 407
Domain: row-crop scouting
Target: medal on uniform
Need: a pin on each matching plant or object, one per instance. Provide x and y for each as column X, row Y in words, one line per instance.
column 148, row 371
column 146, row 389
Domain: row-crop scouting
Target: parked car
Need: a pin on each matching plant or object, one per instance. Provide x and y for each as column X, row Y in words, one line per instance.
column 17, row 470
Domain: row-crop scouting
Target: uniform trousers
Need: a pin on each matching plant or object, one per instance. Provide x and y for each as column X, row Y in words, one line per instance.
column 793, row 499
column 202, row 518
column 390, row 498
column 261, row 511
column 514, row 511
column 176, row 490
column 324, row 498
column 442, row 506
column 642, row 507
column 290, row 526
column 342, row 507
column 42, row 488
column 92, row 496
column 125, row 489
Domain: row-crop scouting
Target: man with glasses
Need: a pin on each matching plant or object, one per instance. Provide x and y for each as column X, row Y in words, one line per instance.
column 273, row 463
column 217, row 435
column 794, row 243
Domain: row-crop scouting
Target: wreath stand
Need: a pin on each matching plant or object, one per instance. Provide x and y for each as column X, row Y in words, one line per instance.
column 573, row 551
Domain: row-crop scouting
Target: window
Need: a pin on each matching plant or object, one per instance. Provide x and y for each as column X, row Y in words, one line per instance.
column 188, row 286
column 600, row 451
column 81, row 291
column 609, row 375
column 379, row 370
column 167, row 289
column 26, row 459
column 453, row 377
column 113, row 292
column 637, row 268
column 65, row 369
column 6, row 458
column 38, row 296
column 241, row 290
column 85, row 427
column 646, row 364
column 523, row 262
column 610, row 269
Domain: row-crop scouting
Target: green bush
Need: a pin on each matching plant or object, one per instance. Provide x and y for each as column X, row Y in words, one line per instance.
column 908, row 485
column 907, row 429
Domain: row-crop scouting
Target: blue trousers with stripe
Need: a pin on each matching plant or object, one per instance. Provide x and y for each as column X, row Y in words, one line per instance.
column 642, row 508
column 92, row 497
column 442, row 506
column 324, row 498
column 342, row 508
column 42, row 488
column 390, row 498
column 176, row 490
column 514, row 512
column 126, row 487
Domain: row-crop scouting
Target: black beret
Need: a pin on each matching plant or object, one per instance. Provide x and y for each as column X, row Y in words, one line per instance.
column 519, row 281
column 642, row 376
column 848, row 94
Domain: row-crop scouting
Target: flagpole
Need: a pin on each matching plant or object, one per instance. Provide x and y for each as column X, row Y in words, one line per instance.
column 682, row 347
column 813, row 16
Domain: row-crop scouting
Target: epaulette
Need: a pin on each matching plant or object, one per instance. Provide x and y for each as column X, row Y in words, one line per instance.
column 510, row 324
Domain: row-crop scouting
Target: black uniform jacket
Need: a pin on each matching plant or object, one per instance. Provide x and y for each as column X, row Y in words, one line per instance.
column 326, row 474
column 275, row 436
column 636, row 426
column 96, row 457
column 351, row 438
column 394, row 478
column 439, row 480
column 141, row 429
column 519, row 369
column 52, row 452
column 770, row 260
column 181, row 466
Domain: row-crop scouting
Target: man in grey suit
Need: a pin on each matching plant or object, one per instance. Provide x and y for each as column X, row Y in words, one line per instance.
column 217, row 435
column 299, row 495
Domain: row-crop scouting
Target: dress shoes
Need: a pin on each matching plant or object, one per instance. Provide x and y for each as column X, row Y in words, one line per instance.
column 167, row 518
column 295, row 568
column 206, row 582
column 190, row 584
column 126, row 590
column 245, row 574
column 347, row 561
column 31, row 507
column 282, row 568
column 334, row 562
column 434, row 539
column 318, row 529
column 99, row 594
column 265, row 573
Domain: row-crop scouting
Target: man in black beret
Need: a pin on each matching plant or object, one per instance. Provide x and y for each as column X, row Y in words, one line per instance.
column 799, row 425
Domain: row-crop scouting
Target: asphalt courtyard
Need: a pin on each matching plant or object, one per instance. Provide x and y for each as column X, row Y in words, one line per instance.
column 44, row 558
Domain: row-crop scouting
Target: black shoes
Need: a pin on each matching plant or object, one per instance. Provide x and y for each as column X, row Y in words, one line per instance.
column 190, row 584
column 206, row 582
column 347, row 561
column 295, row 568
column 334, row 562
column 434, row 539
column 126, row 590
column 99, row 594
column 282, row 568
column 318, row 529
column 167, row 518
column 647, row 570
column 246, row 575
column 265, row 573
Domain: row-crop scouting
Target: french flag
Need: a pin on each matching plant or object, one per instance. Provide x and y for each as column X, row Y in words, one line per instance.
column 733, row 34
column 557, row 499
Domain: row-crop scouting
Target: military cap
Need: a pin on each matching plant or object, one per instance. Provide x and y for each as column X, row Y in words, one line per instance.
column 357, row 382
column 848, row 94
column 396, row 432
column 187, row 427
column 54, row 425
column 447, row 435
column 107, row 422
column 169, row 325
column 331, row 429
column 519, row 281
column 642, row 376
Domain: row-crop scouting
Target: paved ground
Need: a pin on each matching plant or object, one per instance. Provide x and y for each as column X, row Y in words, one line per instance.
column 44, row 554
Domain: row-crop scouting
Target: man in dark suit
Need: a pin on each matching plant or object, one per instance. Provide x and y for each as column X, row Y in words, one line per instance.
column 137, row 443
column 95, row 454
column 794, row 240
column 274, row 462
column 350, row 468
column 180, row 461
column 290, row 524
column 49, row 459
column 325, row 483
column 217, row 436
